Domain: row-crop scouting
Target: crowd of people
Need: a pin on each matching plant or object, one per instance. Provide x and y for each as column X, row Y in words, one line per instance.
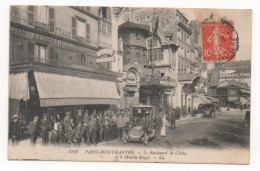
column 86, row 128
column 74, row 129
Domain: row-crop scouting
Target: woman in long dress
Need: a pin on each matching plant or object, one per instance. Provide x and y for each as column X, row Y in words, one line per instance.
column 163, row 130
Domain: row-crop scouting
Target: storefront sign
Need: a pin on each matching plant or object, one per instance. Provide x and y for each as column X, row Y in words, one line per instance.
column 233, row 74
column 109, row 52
column 107, row 59
column 61, row 43
column 50, row 40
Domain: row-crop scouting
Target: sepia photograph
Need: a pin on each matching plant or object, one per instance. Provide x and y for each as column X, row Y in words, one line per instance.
column 129, row 84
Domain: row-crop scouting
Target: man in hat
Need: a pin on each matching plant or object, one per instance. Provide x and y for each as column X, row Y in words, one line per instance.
column 79, row 118
column 94, row 113
column 86, row 117
column 158, row 125
column 68, row 127
column 33, row 130
column 15, row 129
column 120, row 125
column 106, row 127
column 100, row 126
column 77, row 133
column 45, row 125
column 113, row 126
column 85, row 132
column 93, row 128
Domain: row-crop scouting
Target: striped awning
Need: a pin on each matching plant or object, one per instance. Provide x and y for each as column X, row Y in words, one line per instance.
column 19, row 86
column 61, row 90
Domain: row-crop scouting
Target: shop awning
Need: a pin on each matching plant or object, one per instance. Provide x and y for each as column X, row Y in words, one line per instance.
column 19, row 86
column 60, row 90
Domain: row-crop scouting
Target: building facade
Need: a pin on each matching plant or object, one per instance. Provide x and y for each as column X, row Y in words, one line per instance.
column 64, row 58
column 181, row 63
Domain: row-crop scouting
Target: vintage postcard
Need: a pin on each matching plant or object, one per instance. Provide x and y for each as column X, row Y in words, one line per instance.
column 128, row 84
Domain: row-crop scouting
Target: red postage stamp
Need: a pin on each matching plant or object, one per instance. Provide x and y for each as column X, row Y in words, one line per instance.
column 219, row 41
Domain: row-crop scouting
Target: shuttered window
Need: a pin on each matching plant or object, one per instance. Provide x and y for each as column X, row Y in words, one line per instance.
column 87, row 33
column 52, row 55
column 30, row 51
column 51, row 20
column 74, row 25
column 31, row 15
column 15, row 13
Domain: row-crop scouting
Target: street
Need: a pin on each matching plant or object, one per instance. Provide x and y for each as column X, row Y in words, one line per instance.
column 225, row 130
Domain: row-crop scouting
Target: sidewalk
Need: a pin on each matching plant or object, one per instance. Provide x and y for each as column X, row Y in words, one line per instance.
column 188, row 117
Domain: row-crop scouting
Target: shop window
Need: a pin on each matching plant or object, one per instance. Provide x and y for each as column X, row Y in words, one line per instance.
column 40, row 53
column 30, row 14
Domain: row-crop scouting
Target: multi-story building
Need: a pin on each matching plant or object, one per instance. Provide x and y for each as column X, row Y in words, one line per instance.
column 144, row 53
column 62, row 59
column 177, row 29
column 230, row 82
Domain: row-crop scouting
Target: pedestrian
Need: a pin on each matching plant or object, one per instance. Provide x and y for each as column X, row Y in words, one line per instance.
column 68, row 124
column 173, row 118
column 77, row 134
column 61, row 139
column 120, row 125
column 184, row 111
column 164, row 124
column 101, row 127
column 86, row 133
column 106, row 127
column 93, row 128
column 86, row 117
column 158, row 126
column 79, row 118
column 94, row 113
column 45, row 126
column 114, row 126
column 15, row 130
column 33, row 130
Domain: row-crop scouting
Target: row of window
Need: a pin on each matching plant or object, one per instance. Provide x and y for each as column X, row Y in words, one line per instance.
column 43, row 17
column 138, row 20
column 182, row 35
column 184, row 67
column 40, row 53
column 185, row 53
column 155, row 54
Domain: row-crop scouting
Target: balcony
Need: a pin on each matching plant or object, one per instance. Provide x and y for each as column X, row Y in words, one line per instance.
column 51, row 29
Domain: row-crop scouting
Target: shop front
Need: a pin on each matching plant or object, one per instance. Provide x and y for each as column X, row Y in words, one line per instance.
column 55, row 93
